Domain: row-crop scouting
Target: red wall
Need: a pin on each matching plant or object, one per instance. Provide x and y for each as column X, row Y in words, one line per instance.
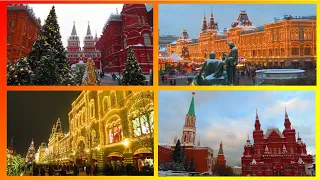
column 20, row 45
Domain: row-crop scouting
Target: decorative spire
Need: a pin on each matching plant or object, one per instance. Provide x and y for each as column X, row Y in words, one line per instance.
column 257, row 123
column 88, row 29
column 287, row 123
column 11, row 144
column 191, row 108
column 204, row 15
column 211, row 15
column 221, row 148
column 299, row 136
column 74, row 31
column 198, row 143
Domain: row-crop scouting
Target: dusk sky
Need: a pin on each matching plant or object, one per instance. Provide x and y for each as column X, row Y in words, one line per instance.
column 229, row 116
column 174, row 18
column 32, row 114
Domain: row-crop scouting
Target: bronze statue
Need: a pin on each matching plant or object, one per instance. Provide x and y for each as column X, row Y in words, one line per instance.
column 213, row 72
column 232, row 62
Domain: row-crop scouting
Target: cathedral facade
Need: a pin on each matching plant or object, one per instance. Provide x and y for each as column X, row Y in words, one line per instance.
column 286, row 41
column 274, row 153
column 129, row 28
column 111, row 127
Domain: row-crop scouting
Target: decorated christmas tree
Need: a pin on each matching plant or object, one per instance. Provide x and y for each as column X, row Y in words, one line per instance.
column 19, row 73
column 90, row 76
column 43, row 63
column 15, row 164
column 51, row 33
column 132, row 73
column 30, row 158
column 178, row 158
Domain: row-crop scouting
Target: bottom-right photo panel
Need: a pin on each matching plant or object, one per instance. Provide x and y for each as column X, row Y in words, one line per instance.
column 236, row 133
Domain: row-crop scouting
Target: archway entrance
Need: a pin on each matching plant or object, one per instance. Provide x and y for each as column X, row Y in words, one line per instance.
column 143, row 159
column 278, row 170
column 81, row 156
column 115, row 160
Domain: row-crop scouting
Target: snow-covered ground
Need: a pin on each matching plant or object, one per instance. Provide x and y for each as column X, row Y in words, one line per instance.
column 173, row 173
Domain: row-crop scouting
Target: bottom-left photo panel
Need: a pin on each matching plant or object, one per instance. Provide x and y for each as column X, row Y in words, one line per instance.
column 80, row 133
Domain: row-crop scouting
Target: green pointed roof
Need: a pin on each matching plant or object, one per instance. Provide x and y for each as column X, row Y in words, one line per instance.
column 221, row 149
column 191, row 108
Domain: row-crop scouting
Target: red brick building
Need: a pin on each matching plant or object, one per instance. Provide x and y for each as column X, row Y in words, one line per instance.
column 23, row 28
column 74, row 52
column 129, row 28
column 274, row 153
column 202, row 156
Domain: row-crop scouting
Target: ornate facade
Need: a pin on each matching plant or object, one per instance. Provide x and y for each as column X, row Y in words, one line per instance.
column 274, row 153
column 286, row 41
column 106, row 127
column 129, row 28
column 23, row 28
column 74, row 52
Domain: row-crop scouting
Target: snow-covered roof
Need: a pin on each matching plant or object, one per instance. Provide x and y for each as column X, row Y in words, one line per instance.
column 174, row 42
column 269, row 131
column 300, row 161
column 175, row 57
column 162, row 49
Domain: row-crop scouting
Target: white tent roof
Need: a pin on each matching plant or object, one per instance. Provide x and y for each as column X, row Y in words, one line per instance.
column 175, row 57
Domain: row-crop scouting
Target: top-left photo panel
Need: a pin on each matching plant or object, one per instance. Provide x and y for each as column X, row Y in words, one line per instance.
column 80, row 45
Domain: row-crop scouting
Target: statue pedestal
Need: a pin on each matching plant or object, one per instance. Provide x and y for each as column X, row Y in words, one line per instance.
column 200, row 81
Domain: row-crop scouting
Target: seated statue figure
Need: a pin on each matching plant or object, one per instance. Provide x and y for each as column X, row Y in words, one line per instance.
column 214, row 73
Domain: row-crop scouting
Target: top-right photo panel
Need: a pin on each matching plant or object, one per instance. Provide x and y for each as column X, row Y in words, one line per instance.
column 245, row 45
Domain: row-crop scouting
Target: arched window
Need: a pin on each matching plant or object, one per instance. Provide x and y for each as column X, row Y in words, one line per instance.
column 307, row 51
column 125, row 42
column 115, row 133
column 139, row 21
column 143, row 22
column 143, row 124
column 147, row 40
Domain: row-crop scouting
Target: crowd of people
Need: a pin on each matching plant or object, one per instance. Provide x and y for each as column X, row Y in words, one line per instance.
column 89, row 170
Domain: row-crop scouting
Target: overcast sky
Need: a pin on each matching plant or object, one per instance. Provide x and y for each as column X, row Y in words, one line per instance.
column 97, row 14
column 229, row 116
column 174, row 18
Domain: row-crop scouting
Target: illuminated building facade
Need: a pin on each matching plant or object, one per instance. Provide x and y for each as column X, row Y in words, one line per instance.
column 111, row 127
column 286, row 41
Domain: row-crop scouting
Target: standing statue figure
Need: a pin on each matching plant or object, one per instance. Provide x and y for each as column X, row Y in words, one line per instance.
column 213, row 72
column 232, row 62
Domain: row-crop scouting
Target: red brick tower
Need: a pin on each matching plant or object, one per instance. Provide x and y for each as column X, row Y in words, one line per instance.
column 189, row 128
column 73, row 48
column 220, row 159
column 89, row 48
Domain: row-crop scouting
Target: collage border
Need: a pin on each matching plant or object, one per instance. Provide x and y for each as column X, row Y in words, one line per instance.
column 4, row 88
